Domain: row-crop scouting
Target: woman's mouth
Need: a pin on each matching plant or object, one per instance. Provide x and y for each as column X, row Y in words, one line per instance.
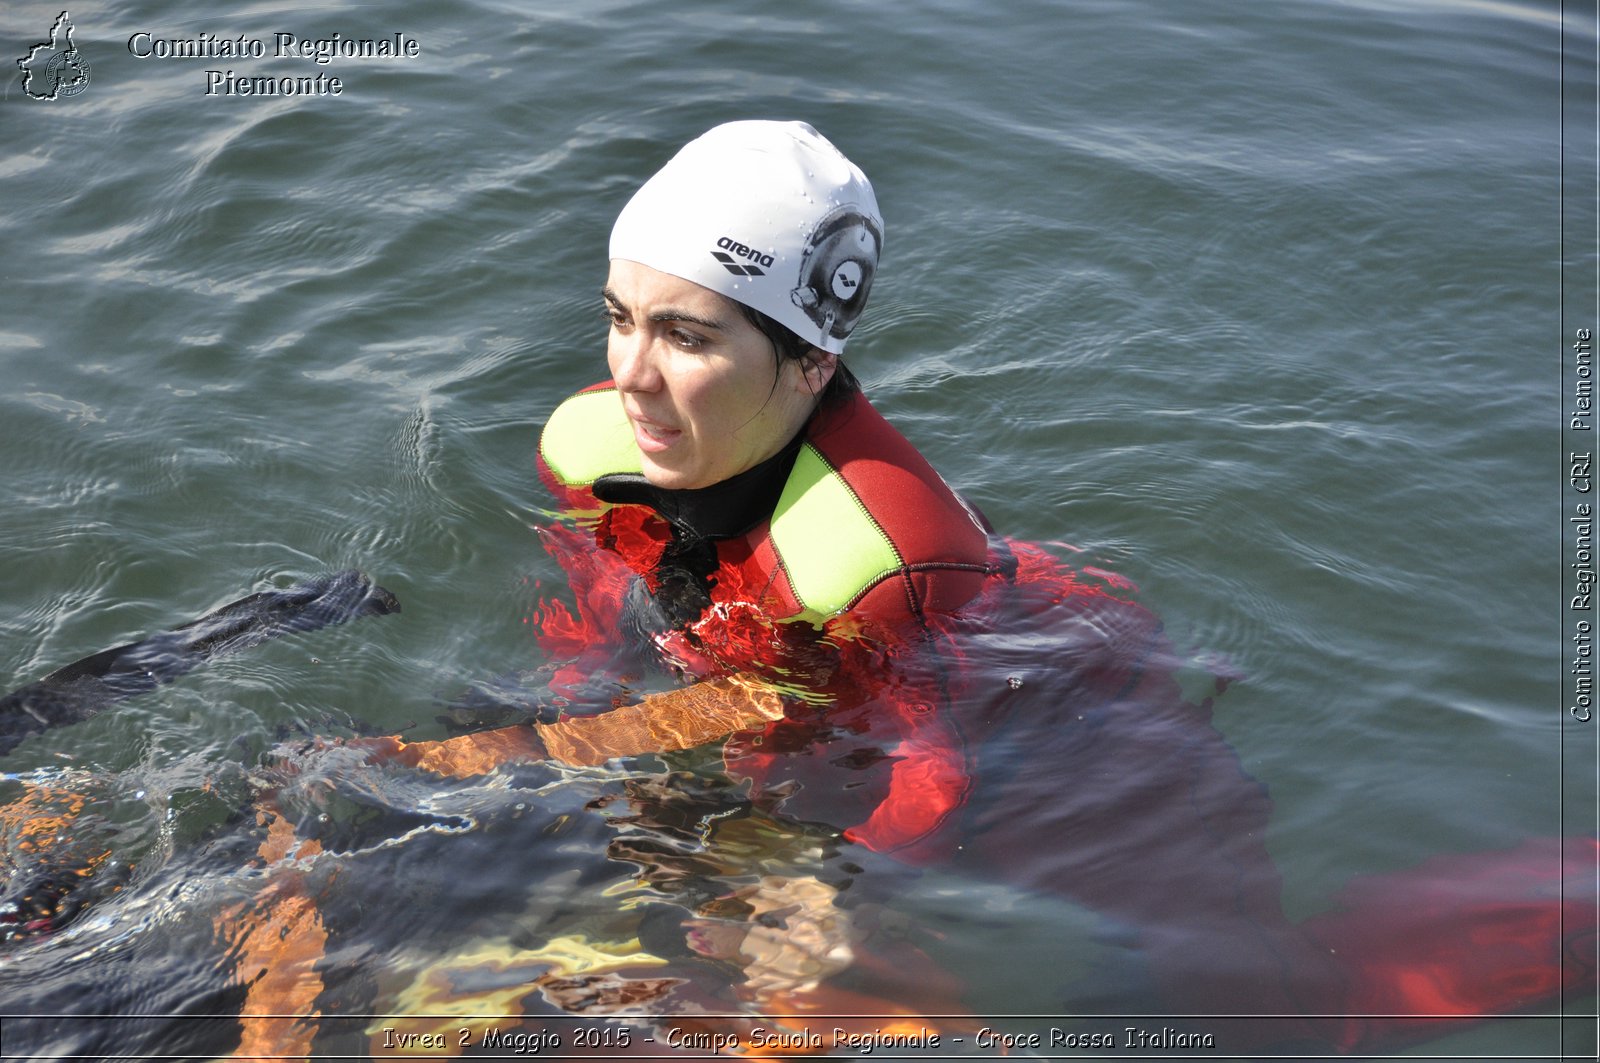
column 651, row 437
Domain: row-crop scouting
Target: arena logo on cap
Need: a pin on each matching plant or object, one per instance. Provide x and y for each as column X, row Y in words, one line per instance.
column 727, row 243
column 56, row 65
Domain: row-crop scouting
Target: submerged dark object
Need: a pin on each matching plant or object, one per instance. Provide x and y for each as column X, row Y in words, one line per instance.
column 84, row 688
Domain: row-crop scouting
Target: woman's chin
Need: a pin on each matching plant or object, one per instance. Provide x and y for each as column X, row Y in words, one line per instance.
column 669, row 477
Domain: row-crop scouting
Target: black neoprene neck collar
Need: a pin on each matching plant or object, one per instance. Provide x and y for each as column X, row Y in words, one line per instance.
column 722, row 511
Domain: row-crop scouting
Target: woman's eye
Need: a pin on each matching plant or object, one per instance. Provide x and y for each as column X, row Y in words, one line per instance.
column 614, row 317
column 686, row 340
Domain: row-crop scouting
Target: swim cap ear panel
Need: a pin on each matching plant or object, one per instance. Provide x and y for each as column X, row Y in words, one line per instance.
column 766, row 213
column 836, row 271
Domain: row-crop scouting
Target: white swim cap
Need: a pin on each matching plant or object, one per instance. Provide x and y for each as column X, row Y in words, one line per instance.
column 769, row 214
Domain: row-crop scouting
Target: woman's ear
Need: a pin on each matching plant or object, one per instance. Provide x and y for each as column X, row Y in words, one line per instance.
column 817, row 369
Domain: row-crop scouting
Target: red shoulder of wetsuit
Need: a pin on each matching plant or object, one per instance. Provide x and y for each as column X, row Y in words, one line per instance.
column 941, row 544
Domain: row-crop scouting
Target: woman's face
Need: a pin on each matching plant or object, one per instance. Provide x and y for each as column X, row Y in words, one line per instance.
column 699, row 383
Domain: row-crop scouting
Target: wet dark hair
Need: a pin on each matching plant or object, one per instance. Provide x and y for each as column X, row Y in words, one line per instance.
column 788, row 346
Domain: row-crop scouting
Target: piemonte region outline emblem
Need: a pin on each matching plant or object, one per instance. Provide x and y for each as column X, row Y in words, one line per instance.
column 55, row 68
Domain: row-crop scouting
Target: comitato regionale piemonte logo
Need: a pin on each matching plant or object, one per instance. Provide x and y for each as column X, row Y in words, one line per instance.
column 55, row 68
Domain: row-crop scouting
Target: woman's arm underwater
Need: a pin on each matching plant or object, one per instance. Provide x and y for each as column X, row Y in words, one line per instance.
column 662, row 722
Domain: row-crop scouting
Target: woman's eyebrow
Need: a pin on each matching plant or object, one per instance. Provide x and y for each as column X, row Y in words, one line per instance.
column 668, row 313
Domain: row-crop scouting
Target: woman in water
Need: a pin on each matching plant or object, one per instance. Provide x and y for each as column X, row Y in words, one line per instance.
column 744, row 512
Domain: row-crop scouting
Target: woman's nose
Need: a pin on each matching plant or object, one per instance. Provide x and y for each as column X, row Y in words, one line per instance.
column 633, row 363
